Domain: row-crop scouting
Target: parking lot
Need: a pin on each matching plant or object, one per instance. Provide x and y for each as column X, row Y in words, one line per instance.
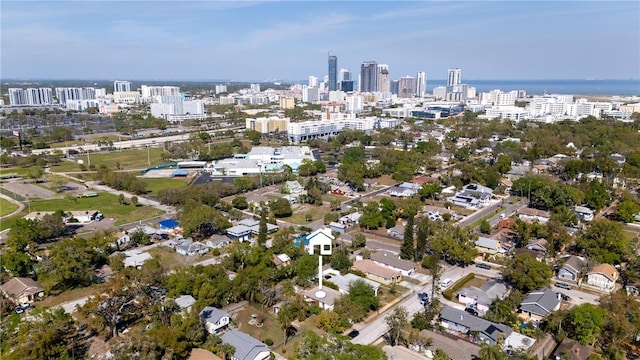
column 28, row 190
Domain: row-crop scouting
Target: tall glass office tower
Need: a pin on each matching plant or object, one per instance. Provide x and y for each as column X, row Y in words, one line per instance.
column 333, row 73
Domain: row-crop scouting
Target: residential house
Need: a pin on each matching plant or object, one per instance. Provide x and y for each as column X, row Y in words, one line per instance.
column 84, row 217
column 217, row 241
column 477, row 189
column 530, row 215
column 571, row 269
column 488, row 246
column 254, row 226
column 121, row 239
column 293, row 187
column 381, row 274
column 482, row 297
column 135, row 258
column 459, row 322
column 471, row 200
column 344, row 281
column 185, row 302
column 396, row 231
column 281, row 260
column 570, row 349
column 351, row 219
column 584, row 213
column 538, row 304
column 342, row 190
column 214, row 319
column 405, row 190
column 239, row 232
column 191, row 248
column 603, row 277
column 327, row 302
column 539, row 245
column 22, row 289
column 338, row 227
column 247, row 347
column 392, row 261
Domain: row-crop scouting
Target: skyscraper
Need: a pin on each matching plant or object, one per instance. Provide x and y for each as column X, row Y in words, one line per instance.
column 313, row 81
column 333, row 73
column 454, row 78
column 344, row 75
column 406, row 87
column 369, row 76
column 421, row 84
column 384, row 84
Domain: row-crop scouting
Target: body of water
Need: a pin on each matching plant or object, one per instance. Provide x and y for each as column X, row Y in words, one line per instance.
column 538, row 87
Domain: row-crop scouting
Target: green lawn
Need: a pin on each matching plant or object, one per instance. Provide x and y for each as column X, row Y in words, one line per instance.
column 300, row 212
column 6, row 207
column 270, row 326
column 104, row 202
column 20, row 171
column 154, row 185
column 128, row 160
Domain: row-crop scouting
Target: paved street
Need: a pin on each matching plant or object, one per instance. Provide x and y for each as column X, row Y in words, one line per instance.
column 510, row 209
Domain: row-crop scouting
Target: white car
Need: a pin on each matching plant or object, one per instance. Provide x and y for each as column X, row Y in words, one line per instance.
column 445, row 283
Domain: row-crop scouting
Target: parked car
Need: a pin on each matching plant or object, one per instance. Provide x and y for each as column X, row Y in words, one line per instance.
column 483, row 266
column 19, row 310
column 564, row 297
column 24, row 304
column 563, row 286
column 471, row 311
column 353, row 334
column 445, row 283
column 424, row 297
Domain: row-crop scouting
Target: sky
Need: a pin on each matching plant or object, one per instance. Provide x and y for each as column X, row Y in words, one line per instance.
column 290, row 40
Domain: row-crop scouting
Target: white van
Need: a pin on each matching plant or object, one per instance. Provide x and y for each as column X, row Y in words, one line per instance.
column 445, row 283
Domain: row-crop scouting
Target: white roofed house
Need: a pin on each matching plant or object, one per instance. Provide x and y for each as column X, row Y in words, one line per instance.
column 603, row 277
column 584, row 213
column 214, row 319
column 531, row 215
column 247, row 347
column 488, row 246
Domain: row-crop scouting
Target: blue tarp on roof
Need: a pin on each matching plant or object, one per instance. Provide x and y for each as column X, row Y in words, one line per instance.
column 168, row 224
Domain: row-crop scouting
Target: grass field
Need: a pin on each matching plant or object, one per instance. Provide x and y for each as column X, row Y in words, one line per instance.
column 105, row 203
column 270, row 327
column 20, row 171
column 300, row 212
column 128, row 160
column 156, row 184
column 7, row 207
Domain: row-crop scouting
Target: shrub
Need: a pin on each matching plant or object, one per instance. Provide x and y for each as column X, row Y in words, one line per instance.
column 268, row 341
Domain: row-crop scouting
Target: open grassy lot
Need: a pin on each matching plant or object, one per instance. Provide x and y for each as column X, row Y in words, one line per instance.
column 300, row 213
column 7, row 207
column 104, row 202
column 8, row 223
column 20, row 171
column 128, row 160
column 156, row 184
column 270, row 328
column 68, row 295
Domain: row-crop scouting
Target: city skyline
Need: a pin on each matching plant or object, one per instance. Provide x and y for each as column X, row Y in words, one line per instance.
column 290, row 40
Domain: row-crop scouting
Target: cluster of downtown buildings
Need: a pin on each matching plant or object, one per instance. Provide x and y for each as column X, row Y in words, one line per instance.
column 343, row 97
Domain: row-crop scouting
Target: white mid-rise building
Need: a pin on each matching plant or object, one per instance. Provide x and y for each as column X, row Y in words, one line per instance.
column 330, row 125
column 69, row 93
column 221, row 89
column 266, row 125
column 30, row 96
column 354, row 104
column 506, row 112
column 151, row 91
column 310, row 94
column 121, row 86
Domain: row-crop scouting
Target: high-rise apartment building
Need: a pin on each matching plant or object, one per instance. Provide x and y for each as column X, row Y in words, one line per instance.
column 121, row 86
column 421, row 84
column 150, row 91
column 333, row 73
column 369, row 76
column 406, row 87
column 395, row 84
column 454, row 77
column 344, row 75
column 68, row 93
column 313, row 81
column 30, row 96
column 384, row 84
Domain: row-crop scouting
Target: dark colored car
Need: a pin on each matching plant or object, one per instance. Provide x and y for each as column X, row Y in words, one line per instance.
column 423, row 297
column 353, row 334
column 565, row 297
column 483, row 266
column 472, row 311
column 563, row 286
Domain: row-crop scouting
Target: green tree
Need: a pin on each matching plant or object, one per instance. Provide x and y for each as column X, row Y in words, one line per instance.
column 121, row 199
column 200, row 221
column 17, row 263
column 626, row 211
column 240, row 202
column 262, row 228
column 585, row 322
column 485, row 227
column 407, row 249
column 491, row 352
column 397, row 320
column 254, row 136
column 340, row 259
column 526, row 274
column 139, row 237
column 596, row 195
column 363, row 295
column 605, row 242
column 359, row 241
column 281, row 208
column 371, row 216
column 134, row 201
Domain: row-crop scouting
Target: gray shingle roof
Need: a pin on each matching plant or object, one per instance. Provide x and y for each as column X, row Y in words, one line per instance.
column 540, row 302
column 474, row 323
column 247, row 348
column 392, row 260
column 486, row 293
column 212, row 314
